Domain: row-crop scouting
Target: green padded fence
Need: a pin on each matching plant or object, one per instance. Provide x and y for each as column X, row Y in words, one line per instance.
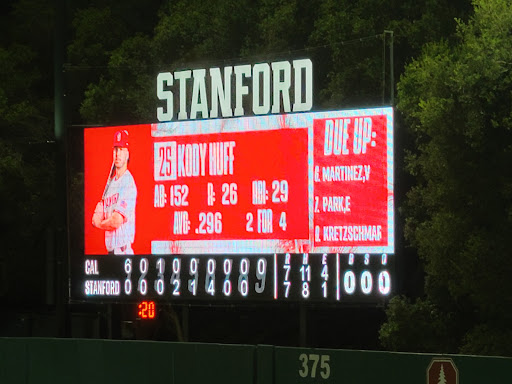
column 38, row 360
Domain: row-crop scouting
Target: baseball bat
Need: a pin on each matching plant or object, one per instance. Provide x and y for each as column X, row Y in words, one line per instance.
column 109, row 178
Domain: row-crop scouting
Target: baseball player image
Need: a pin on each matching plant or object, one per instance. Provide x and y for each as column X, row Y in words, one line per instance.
column 115, row 213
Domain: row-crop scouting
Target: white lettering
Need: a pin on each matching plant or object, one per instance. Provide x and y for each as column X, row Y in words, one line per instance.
column 261, row 71
column 221, row 158
column 199, row 101
column 241, row 71
column 277, row 75
column 91, row 267
column 303, row 66
column 336, row 204
column 182, row 78
column 281, row 87
column 221, row 93
column 163, row 94
column 358, row 172
column 372, row 233
column 102, row 288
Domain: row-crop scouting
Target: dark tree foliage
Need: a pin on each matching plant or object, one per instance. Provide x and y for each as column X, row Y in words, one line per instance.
column 345, row 39
column 456, row 98
column 26, row 159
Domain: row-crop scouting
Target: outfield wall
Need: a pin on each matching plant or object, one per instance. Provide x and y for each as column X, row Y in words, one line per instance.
column 38, row 360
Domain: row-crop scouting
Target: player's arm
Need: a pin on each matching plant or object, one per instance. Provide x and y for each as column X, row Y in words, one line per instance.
column 97, row 216
column 109, row 224
column 125, row 205
column 113, row 222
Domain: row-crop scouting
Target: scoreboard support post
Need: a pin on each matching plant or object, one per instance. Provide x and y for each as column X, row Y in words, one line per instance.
column 109, row 321
column 302, row 326
column 184, row 322
column 61, row 286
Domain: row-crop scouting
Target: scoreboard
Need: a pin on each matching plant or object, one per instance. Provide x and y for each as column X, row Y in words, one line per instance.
column 292, row 207
column 328, row 278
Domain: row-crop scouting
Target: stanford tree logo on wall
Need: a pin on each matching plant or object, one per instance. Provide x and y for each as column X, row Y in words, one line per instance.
column 442, row 371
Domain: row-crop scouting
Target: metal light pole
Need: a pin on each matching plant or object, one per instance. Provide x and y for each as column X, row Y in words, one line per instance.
column 61, row 249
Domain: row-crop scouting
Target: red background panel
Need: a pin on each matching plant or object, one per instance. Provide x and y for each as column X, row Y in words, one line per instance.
column 368, row 199
column 259, row 155
column 97, row 160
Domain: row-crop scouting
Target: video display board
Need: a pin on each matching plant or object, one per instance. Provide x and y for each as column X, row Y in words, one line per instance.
column 292, row 207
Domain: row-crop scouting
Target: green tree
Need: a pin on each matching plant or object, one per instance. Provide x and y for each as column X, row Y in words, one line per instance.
column 197, row 34
column 356, row 54
column 186, row 33
column 26, row 161
column 456, row 100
